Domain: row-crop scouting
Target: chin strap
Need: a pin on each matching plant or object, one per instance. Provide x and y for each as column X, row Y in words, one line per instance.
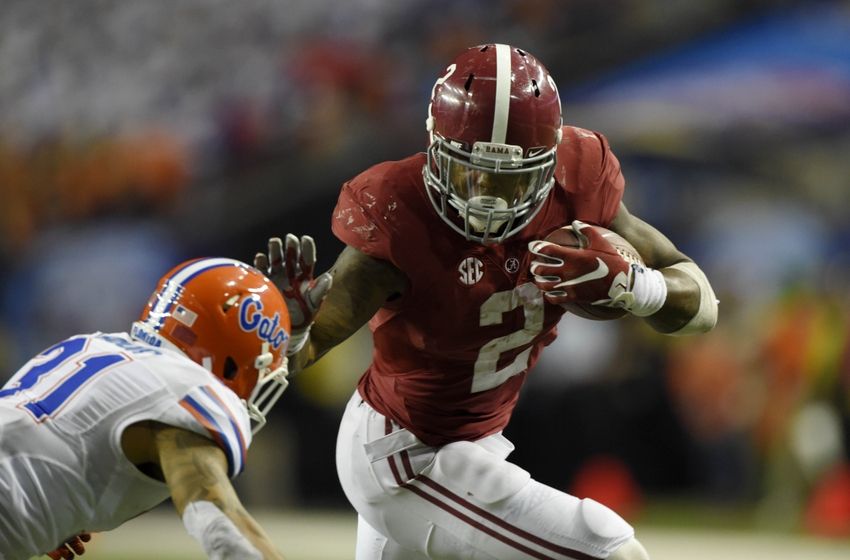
column 298, row 340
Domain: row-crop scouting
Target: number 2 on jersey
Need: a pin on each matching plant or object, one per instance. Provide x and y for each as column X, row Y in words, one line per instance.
column 58, row 358
column 531, row 299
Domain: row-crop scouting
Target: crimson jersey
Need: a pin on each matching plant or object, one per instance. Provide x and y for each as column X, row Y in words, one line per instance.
column 452, row 353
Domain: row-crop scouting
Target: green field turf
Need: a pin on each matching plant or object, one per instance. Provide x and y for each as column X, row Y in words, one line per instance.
column 330, row 536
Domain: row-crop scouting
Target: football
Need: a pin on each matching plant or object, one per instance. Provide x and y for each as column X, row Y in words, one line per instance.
column 566, row 236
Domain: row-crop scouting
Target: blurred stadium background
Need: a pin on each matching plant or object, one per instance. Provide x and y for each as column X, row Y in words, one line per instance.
column 136, row 134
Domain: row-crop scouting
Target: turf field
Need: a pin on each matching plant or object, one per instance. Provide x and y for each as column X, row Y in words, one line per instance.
column 330, row 536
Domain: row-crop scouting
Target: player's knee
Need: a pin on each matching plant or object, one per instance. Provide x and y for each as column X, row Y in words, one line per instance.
column 600, row 526
column 630, row 550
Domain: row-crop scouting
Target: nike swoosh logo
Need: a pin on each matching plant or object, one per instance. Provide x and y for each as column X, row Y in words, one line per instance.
column 600, row 272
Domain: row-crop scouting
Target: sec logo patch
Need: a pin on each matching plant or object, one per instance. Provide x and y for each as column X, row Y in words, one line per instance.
column 470, row 270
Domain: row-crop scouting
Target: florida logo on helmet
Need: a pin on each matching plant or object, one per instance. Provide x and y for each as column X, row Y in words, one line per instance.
column 251, row 318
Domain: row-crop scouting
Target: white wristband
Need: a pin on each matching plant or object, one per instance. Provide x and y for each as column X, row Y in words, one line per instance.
column 217, row 533
column 297, row 341
column 649, row 289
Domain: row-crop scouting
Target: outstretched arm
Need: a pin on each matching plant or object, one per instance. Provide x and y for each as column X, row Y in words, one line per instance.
column 195, row 471
column 683, row 291
column 361, row 285
column 327, row 309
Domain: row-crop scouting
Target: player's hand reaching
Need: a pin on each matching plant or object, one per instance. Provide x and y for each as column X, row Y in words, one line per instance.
column 71, row 547
column 591, row 272
column 291, row 265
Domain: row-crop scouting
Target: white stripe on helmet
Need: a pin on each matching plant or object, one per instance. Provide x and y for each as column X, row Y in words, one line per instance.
column 173, row 286
column 503, row 93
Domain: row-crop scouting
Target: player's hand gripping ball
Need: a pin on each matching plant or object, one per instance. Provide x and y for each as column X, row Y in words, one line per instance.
column 584, row 268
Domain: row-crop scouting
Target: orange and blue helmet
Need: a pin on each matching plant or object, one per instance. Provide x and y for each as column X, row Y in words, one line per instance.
column 228, row 317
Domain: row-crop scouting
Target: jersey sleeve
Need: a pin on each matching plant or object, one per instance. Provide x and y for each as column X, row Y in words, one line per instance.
column 217, row 412
column 590, row 172
column 360, row 219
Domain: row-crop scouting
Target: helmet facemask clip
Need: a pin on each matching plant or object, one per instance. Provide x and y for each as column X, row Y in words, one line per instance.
column 269, row 388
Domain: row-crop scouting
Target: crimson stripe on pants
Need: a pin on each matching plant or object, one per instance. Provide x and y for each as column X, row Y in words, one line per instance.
column 387, row 430
column 408, row 468
column 481, row 527
column 570, row 553
column 578, row 555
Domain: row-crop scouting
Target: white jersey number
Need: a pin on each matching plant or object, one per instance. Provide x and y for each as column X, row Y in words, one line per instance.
column 531, row 299
column 57, row 369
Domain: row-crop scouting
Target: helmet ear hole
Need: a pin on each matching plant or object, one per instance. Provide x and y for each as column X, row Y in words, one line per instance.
column 230, row 369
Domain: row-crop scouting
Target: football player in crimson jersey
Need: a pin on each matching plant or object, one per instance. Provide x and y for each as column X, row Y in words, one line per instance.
column 102, row 427
column 446, row 260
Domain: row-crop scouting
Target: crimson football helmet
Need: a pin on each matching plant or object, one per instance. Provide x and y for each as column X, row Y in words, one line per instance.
column 228, row 317
column 494, row 123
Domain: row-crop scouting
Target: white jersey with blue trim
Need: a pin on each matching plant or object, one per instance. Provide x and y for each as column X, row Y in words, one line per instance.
column 62, row 414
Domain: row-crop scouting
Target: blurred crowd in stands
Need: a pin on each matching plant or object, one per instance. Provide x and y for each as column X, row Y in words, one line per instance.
column 136, row 134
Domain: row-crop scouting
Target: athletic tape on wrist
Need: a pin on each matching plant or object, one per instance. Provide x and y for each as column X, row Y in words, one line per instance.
column 706, row 316
column 297, row 341
column 649, row 289
column 217, row 533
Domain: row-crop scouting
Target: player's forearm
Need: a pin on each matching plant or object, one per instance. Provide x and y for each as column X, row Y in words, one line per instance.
column 196, row 474
column 681, row 305
column 339, row 318
column 220, row 494
column 690, row 306
column 227, row 533
column 253, row 532
column 322, row 340
column 361, row 285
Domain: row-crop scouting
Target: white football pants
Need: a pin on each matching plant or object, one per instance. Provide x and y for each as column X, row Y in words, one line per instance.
column 462, row 501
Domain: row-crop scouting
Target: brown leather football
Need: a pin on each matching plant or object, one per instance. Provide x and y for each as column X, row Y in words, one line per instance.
column 566, row 237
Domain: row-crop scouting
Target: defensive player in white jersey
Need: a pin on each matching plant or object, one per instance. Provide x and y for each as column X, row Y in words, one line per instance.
column 100, row 428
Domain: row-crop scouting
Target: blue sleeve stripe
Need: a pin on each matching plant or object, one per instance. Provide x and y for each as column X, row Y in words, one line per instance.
column 208, row 421
column 243, row 448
